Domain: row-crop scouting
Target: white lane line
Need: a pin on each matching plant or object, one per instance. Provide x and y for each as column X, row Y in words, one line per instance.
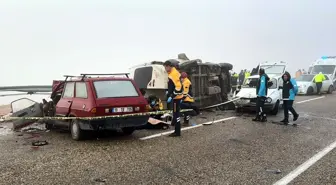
column 185, row 128
column 303, row 167
column 312, row 99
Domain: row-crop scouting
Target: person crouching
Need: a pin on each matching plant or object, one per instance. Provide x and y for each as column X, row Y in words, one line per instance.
column 187, row 101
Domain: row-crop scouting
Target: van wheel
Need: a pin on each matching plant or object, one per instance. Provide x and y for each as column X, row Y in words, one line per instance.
column 330, row 89
column 128, row 130
column 310, row 91
column 276, row 108
column 76, row 132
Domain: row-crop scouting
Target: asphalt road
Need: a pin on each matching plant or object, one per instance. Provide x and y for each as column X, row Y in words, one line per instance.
column 235, row 151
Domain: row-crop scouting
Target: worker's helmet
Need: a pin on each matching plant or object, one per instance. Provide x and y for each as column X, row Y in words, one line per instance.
column 184, row 75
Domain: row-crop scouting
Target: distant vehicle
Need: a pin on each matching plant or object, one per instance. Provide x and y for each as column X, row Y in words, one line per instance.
column 248, row 97
column 88, row 96
column 326, row 65
column 211, row 82
column 308, row 87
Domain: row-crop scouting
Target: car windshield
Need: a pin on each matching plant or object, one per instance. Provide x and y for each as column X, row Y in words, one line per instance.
column 115, row 89
column 325, row 69
column 305, row 78
column 250, row 83
column 273, row 69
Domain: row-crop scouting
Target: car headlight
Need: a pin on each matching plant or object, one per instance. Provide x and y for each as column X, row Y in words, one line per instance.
column 268, row 100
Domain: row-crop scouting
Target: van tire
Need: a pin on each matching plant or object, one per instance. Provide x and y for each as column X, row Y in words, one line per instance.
column 76, row 132
column 330, row 89
column 310, row 90
column 128, row 130
column 275, row 110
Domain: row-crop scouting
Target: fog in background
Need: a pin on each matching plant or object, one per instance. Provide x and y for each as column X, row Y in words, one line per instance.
column 43, row 40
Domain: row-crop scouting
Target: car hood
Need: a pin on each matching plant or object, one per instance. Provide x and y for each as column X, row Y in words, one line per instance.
column 302, row 83
column 251, row 93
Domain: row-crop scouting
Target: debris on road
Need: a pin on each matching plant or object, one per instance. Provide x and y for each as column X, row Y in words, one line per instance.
column 275, row 171
column 39, row 143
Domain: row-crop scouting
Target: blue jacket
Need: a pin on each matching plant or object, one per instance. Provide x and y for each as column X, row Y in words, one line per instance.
column 289, row 88
column 293, row 92
column 262, row 86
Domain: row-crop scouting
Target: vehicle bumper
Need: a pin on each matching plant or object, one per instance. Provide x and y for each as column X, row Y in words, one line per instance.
column 302, row 91
column 252, row 106
column 114, row 123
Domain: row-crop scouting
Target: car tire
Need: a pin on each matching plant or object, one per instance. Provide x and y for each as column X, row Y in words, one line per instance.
column 330, row 89
column 76, row 132
column 49, row 125
column 310, row 90
column 128, row 130
column 275, row 110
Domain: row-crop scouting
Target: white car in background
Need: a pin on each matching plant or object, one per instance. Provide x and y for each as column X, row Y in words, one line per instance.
column 308, row 87
column 246, row 96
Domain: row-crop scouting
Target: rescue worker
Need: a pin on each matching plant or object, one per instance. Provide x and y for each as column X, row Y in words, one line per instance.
column 188, row 101
column 246, row 74
column 289, row 91
column 174, row 95
column 234, row 79
column 261, row 91
column 155, row 104
column 318, row 79
column 241, row 77
column 298, row 73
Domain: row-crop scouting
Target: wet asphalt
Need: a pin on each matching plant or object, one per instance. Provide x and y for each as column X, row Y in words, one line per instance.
column 236, row 151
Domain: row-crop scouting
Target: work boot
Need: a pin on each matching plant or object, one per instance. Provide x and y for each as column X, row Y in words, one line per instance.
column 186, row 122
column 174, row 135
column 296, row 117
column 264, row 119
column 257, row 118
column 284, row 121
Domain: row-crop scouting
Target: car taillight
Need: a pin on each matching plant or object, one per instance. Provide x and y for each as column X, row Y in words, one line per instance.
column 93, row 110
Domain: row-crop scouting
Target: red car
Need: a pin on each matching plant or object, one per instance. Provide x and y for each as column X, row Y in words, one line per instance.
column 98, row 96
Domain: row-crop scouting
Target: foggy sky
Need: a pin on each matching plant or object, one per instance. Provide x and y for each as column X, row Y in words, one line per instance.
column 43, row 40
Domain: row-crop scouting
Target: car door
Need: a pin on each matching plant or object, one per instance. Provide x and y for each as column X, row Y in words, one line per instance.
column 325, row 84
column 280, row 85
column 64, row 104
column 81, row 103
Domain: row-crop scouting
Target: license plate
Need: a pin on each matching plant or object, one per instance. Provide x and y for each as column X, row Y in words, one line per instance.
column 122, row 109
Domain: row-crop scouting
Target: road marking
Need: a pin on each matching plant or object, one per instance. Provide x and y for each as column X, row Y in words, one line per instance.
column 304, row 101
column 185, row 128
column 303, row 167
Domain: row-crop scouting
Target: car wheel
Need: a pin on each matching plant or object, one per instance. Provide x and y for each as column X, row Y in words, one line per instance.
column 49, row 125
column 76, row 132
column 276, row 108
column 310, row 91
column 330, row 89
column 128, row 130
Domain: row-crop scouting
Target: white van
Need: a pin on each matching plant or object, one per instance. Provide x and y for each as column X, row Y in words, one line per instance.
column 248, row 97
column 326, row 65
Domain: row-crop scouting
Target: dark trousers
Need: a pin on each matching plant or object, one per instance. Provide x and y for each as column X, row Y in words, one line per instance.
column 260, row 107
column 318, row 87
column 176, row 116
column 288, row 106
column 189, row 105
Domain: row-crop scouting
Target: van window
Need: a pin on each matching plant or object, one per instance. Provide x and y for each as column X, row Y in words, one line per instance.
column 81, row 90
column 69, row 90
column 115, row 89
column 250, row 82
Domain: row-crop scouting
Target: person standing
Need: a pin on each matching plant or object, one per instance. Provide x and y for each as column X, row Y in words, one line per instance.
column 241, row 77
column 318, row 79
column 234, row 79
column 188, row 101
column 261, row 96
column 174, row 94
column 289, row 91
